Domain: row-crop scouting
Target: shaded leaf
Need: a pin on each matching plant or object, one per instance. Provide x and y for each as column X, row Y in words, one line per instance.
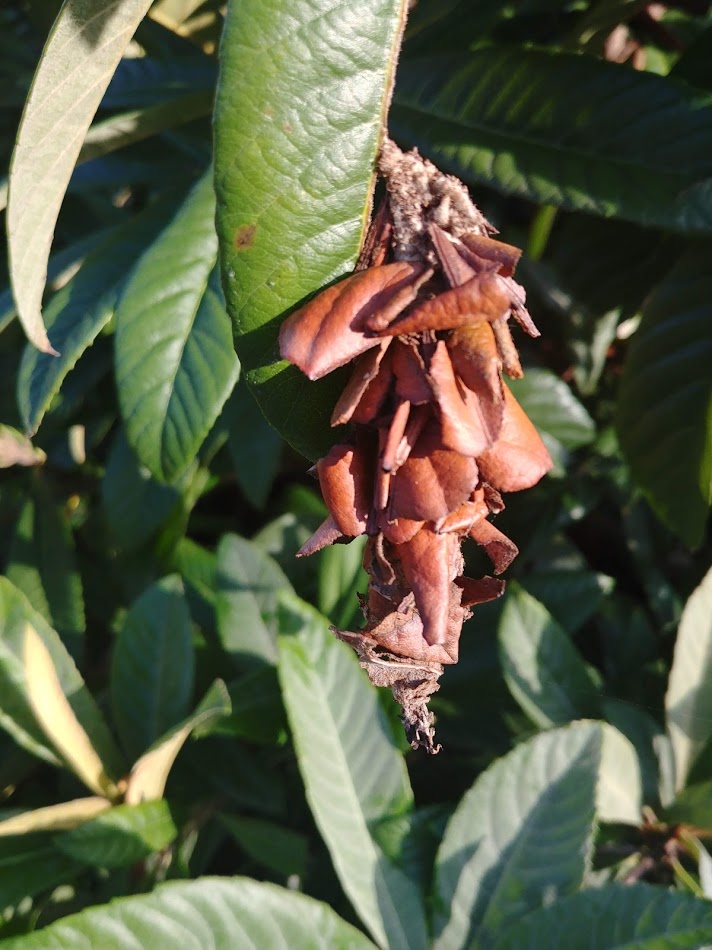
column 544, row 671
column 210, row 913
column 664, row 398
column 688, row 702
column 31, row 864
column 353, row 774
column 125, row 128
column 613, row 917
column 571, row 596
column 294, row 175
column 121, row 836
column 247, row 587
column 41, row 563
column 255, row 447
column 175, row 364
column 134, row 503
column 84, row 47
column 152, row 666
column 257, row 711
column 565, row 130
column 519, row 838
column 275, row 847
column 78, row 313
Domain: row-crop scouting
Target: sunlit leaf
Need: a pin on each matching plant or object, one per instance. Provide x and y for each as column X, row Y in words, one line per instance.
column 294, row 175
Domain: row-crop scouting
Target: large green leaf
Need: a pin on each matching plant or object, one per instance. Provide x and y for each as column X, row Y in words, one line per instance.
column 519, row 838
column 354, row 776
column 16, row 712
column 639, row 917
column 81, row 54
column 152, row 666
column 564, row 129
column 688, row 702
column 79, row 312
column 175, row 365
column 42, row 565
column 248, row 583
column 213, row 913
column 665, row 398
column 544, row 671
column 301, row 101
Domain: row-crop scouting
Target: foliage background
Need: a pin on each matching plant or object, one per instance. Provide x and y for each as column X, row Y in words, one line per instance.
column 152, row 521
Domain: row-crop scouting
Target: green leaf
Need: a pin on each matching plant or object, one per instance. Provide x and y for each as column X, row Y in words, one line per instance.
column 693, row 805
column 175, row 365
column 665, row 398
column 563, row 129
column 544, row 671
column 353, row 774
column 619, row 796
column 120, row 836
column 152, row 666
column 521, row 836
column 125, row 128
column 42, row 565
column 571, row 596
column 643, row 732
column 135, row 504
column 254, row 446
column 341, row 577
column 84, row 47
column 688, row 702
column 78, row 313
column 16, row 715
column 197, row 567
column 213, row 913
column 30, row 864
column 294, row 176
column 149, row 775
column 257, row 710
column 273, row 846
column 247, row 586
column 553, row 408
column 615, row 918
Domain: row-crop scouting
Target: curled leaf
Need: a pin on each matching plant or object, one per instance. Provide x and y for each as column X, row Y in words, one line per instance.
column 331, row 329
column 519, row 458
column 345, row 481
column 483, row 297
column 433, row 481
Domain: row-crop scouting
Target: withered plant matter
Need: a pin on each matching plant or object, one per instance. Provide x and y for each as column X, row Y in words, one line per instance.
column 436, row 435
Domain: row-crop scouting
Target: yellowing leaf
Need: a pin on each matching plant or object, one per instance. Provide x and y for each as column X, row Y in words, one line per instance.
column 55, row 817
column 148, row 777
column 57, row 718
